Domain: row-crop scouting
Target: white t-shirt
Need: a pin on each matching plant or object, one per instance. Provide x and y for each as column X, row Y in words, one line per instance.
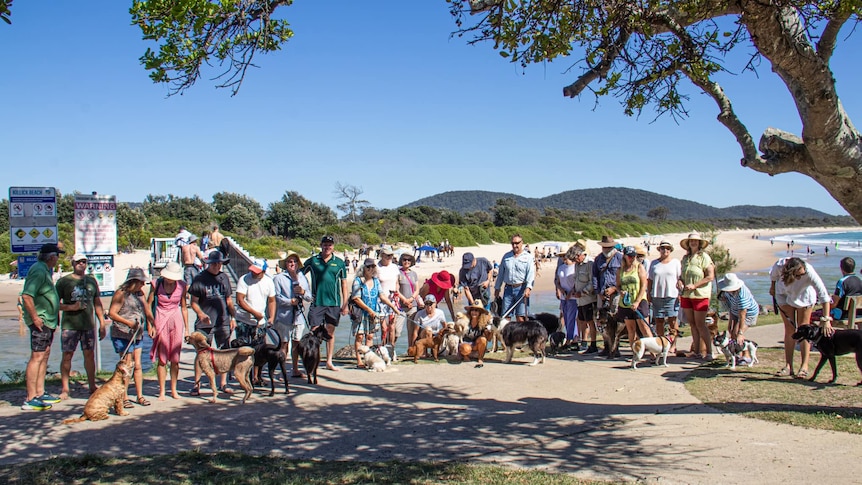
column 256, row 291
column 434, row 323
column 566, row 277
column 388, row 276
column 664, row 277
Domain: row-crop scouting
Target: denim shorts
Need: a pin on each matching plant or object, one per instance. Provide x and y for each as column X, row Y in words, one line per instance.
column 665, row 307
column 120, row 345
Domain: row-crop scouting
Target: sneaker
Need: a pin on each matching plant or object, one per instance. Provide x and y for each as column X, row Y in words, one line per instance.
column 592, row 349
column 35, row 404
column 47, row 398
column 604, row 353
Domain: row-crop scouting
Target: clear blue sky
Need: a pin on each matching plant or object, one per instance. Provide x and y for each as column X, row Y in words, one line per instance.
column 370, row 93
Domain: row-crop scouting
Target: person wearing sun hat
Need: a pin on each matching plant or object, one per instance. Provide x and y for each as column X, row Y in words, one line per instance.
column 128, row 314
column 695, row 285
column 742, row 308
column 474, row 343
column 663, row 294
column 81, row 307
column 440, row 285
column 605, row 268
column 169, row 325
column 291, row 292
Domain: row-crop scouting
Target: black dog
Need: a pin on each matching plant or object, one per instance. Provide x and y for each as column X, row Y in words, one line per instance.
column 550, row 321
column 309, row 349
column 555, row 342
column 531, row 334
column 273, row 357
column 841, row 342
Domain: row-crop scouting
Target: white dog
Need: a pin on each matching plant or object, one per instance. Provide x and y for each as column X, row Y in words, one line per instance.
column 657, row 345
column 373, row 362
column 451, row 340
column 732, row 350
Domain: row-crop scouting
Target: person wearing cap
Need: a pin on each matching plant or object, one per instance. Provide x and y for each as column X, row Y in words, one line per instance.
column 632, row 284
column 330, row 290
column 440, row 285
column 191, row 257
column 742, row 308
column 169, row 326
column 408, row 297
column 80, row 307
column 387, row 274
column 517, row 272
column 663, row 293
column 695, row 285
column 367, row 294
column 429, row 318
column 474, row 342
column 255, row 294
column 585, row 294
column 213, row 307
column 475, row 278
column 604, row 277
column 41, row 314
column 128, row 313
column 291, row 292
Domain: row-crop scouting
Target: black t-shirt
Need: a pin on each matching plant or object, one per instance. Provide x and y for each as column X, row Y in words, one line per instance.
column 212, row 292
column 847, row 286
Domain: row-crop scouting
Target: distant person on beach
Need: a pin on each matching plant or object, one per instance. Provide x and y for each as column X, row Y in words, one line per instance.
column 797, row 287
column 848, row 285
column 128, row 315
column 604, row 278
column 475, row 278
column 212, row 302
column 41, row 314
column 518, row 273
column 81, row 306
column 663, row 293
column 169, row 325
column 698, row 271
column 331, row 291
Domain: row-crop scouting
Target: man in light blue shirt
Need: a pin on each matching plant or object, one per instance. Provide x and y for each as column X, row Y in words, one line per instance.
column 517, row 272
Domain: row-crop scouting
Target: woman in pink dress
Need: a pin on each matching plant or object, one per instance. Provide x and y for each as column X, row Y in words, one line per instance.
column 170, row 325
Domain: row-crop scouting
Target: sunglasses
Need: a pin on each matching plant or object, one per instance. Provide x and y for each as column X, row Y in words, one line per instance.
column 368, row 266
column 515, row 243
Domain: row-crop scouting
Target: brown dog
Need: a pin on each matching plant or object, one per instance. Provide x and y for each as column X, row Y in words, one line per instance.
column 426, row 340
column 112, row 393
column 212, row 362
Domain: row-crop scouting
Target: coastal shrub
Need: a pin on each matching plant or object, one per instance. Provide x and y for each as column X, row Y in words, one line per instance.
column 479, row 234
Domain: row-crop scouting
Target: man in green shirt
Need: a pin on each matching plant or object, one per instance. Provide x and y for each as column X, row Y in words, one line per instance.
column 41, row 314
column 79, row 302
column 330, row 289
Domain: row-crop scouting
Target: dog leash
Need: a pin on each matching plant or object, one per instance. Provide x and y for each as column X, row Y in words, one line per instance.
column 515, row 305
column 131, row 340
column 792, row 321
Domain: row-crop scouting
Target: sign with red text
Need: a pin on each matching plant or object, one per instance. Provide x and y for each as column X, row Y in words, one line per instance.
column 95, row 224
column 32, row 218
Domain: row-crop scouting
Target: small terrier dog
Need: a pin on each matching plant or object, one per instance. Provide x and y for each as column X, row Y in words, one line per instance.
column 374, row 362
column 732, row 349
column 451, row 339
column 658, row 346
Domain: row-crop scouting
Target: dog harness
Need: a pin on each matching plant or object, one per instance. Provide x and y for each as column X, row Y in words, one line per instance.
column 212, row 359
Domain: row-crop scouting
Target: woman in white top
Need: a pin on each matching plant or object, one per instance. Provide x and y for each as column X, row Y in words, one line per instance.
column 565, row 289
column 797, row 288
column 663, row 292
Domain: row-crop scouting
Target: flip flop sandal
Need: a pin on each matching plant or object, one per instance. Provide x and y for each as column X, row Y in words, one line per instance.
column 803, row 374
column 784, row 372
column 143, row 401
column 226, row 390
column 128, row 404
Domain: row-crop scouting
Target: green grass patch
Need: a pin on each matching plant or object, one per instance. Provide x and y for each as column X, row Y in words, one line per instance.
column 756, row 392
column 194, row 467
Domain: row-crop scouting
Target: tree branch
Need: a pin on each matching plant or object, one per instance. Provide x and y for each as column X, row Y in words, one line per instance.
column 783, row 152
column 826, row 45
column 612, row 51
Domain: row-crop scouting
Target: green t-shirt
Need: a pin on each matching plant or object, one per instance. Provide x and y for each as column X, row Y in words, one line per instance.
column 693, row 270
column 71, row 289
column 39, row 285
column 326, row 279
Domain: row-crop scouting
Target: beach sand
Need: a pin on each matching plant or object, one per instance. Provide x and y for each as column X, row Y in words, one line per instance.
column 752, row 254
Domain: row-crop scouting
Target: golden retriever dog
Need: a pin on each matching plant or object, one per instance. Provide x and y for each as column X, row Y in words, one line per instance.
column 212, row 362
column 111, row 394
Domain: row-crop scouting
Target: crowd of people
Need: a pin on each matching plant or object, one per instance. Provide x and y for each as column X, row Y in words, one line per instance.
column 385, row 298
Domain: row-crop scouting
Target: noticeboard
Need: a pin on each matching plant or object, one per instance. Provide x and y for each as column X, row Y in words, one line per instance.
column 95, row 224
column 102, row 268
column 32, row 218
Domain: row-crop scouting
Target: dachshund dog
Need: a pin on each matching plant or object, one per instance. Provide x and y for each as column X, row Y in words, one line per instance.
column 309, row 350
column 112, row 394
column 211, row 362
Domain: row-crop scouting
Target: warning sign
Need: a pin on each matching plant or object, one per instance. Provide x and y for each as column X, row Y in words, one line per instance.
column 95, row 224
column 32, row 218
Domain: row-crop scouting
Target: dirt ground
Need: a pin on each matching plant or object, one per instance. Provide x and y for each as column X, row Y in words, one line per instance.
column 589, row 417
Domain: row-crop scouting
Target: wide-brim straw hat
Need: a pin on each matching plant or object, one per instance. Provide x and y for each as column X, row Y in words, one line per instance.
column 476, row 306
column 694, row 237
column 282, row 263
column 172, row 271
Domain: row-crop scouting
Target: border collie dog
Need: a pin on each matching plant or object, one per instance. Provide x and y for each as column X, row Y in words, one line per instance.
column 531, row 334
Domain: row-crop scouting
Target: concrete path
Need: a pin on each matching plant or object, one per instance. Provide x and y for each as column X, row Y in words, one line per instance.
column 586, row 416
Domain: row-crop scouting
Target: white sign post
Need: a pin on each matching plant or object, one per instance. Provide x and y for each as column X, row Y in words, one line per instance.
column 32, row 218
